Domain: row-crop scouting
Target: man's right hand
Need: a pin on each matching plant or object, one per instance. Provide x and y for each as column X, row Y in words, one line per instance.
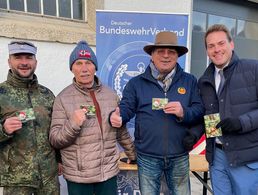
column 12, row 124
column 79, row 116
column 116, row 119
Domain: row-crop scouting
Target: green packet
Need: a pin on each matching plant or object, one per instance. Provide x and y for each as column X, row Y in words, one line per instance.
column 89, row 110
column 211, row 121
column 26, row 115
column 159, row 103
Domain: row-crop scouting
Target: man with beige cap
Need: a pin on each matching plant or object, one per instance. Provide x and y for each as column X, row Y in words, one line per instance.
column 166, row 103
column 27, row 161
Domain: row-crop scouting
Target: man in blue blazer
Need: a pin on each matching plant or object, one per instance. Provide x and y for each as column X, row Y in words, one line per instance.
column 167, row 104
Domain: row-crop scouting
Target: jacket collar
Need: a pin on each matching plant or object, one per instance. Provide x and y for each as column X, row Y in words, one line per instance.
column 20, row 82
column 147, row 74
column 96, row 86
column 232, row 64
column 208, row 75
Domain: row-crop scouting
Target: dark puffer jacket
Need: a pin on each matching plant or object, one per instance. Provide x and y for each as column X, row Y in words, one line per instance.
column 239, row 98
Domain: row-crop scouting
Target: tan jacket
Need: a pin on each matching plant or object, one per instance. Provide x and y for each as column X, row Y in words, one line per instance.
column 89, row 154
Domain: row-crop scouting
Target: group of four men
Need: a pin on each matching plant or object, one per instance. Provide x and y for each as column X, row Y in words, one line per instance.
column 86, row 120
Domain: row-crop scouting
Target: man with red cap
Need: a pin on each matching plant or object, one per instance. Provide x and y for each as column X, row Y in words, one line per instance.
column 80, row 128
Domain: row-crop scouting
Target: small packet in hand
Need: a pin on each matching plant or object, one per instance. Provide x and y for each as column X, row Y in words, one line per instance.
column 89, row 110
column 26, row 115
column 211, row 121
column 159, row 103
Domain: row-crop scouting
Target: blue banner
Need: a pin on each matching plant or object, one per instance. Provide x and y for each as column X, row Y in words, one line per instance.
column 120, row 38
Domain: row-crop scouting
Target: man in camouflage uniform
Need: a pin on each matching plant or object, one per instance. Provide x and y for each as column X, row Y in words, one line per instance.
column 27, row 161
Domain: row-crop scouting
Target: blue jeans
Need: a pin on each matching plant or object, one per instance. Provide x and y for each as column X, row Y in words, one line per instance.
column 176, row 171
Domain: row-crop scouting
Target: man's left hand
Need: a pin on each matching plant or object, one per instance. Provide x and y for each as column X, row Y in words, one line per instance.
column 189, row 141
column 230, row 125
column 174, row 108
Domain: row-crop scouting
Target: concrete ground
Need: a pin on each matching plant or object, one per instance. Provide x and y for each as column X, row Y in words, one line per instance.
column 196, row 185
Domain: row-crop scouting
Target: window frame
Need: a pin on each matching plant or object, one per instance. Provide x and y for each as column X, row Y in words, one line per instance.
column 57, row 13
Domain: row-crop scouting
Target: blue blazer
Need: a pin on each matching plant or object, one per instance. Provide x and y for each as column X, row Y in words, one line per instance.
column 158, row 134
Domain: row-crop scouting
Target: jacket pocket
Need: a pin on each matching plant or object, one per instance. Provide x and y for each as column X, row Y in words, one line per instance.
column 253, row 165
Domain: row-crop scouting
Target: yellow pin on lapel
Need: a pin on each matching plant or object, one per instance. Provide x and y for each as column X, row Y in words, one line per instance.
column 181, row 90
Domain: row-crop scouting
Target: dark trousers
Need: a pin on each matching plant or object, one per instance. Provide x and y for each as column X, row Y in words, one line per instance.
column 108, row 187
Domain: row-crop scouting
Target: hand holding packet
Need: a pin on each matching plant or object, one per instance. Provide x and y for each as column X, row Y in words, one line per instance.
column 26, row 115
column 159, row 103
column 211, row 121
column 89, row 110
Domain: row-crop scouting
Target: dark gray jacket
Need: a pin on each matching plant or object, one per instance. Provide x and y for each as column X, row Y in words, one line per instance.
column 239, row 98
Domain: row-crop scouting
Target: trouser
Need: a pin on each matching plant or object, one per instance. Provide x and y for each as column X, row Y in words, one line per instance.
column 108, row 187
column 226, row 180
column 176, row 171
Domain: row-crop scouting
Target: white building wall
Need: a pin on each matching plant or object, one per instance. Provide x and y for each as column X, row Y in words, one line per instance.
column 53, row 63
column 169, row 6
column 53, row 57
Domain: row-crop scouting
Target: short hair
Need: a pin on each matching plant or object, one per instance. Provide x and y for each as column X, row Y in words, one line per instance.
column 217, row 28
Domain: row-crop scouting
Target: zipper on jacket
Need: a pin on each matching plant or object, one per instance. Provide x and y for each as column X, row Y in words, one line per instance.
column 30, row 92
column 166, row 131
column 99, row 118
column 98, row 112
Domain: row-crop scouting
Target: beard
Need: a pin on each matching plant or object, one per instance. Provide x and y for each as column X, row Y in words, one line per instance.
column 28, row 74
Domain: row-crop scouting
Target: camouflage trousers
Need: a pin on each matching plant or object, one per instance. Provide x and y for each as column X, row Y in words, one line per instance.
column 50, row 188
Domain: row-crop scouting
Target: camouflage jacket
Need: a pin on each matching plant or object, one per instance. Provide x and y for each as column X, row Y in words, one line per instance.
column 26, row 157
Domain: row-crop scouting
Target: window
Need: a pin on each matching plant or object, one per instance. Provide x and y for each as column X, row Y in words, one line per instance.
column 49, row 7
column 230, row 23
column 33, row 6
column 247, row 29
column 64, row 8
column 199, row 21
column 3, row 4
column 16, row 5
column 77, row 9
column 72, row 9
